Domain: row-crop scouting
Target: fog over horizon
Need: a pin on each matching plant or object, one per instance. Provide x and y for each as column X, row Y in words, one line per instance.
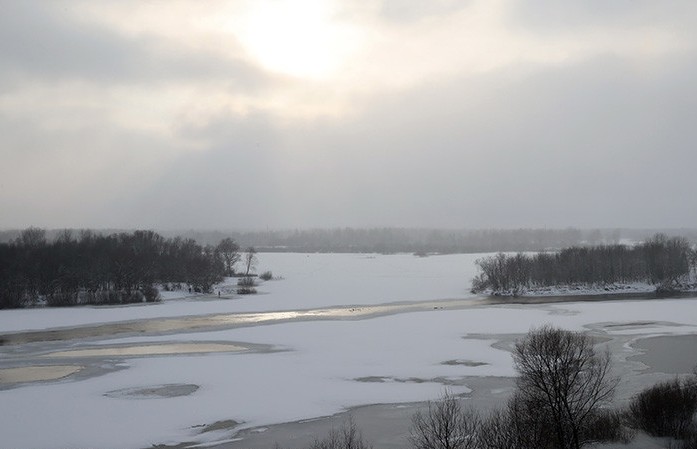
column 321, row 114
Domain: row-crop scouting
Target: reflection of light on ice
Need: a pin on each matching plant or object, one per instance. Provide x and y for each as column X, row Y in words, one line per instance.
column 261, row 317
column 208, row 322
column 337, row 312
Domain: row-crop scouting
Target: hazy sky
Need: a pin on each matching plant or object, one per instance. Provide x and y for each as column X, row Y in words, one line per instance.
column 321, row 113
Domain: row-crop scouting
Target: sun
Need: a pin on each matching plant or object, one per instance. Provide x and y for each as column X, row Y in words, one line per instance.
column 301, row 38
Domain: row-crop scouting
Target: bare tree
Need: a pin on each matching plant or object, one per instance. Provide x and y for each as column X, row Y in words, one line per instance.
column 32, row 237
column 498, row 431
column 561, row 373
column 250, row 260
column 347, row 437
column 65, row 236
column 445, row 426
column 229, row 250
column 519, row 425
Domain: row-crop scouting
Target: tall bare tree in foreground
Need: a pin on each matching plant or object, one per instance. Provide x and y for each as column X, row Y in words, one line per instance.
column 567, row 380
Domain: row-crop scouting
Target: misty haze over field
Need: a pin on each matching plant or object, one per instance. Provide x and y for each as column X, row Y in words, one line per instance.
column 317, row 113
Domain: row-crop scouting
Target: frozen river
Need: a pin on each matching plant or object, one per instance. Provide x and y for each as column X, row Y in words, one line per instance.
column 337, row 332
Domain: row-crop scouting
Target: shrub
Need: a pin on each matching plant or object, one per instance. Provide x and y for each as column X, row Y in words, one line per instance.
column 525, row 425
column 665, row 409
column 246, row 291
column 445, row 426
column 608, row 426
column 266, row 276
column 246, row 281
column 12, row 296
column 479, row 284
column 62, row 299
column 151, row 293
column 347, row 437
column 688, row 442
column 111, row 297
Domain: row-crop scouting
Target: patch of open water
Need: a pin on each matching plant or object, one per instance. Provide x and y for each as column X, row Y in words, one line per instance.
column 670, row 354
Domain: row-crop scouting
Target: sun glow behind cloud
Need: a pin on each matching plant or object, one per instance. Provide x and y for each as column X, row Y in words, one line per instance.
column 303, row 39
column 282, row 92
column 326, row 58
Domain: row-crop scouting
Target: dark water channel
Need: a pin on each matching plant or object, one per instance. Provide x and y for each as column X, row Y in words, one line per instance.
column 674, row 354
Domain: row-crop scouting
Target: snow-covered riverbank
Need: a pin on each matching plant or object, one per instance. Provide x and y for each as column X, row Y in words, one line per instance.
column 643, row 289
column 292, row 370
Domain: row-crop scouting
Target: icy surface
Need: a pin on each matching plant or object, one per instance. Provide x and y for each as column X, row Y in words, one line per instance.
column 318, row 368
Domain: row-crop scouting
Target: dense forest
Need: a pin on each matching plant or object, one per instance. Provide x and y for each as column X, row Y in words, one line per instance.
column 89, row 268
column 666, row 262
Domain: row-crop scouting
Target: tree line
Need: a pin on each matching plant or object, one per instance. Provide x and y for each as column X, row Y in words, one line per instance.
column 402, row 240
column 396, row 240
column 88, row 268
column 409, row 240
column 666, row 262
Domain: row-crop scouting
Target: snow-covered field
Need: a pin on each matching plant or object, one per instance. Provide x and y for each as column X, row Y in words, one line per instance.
column 315, row 368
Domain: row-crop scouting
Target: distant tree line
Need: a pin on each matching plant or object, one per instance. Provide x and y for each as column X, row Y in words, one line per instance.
column 425, row 240
column 407, row 240
column 661, row 261
column 420, row 241
column 389, row 240
column 89, row 268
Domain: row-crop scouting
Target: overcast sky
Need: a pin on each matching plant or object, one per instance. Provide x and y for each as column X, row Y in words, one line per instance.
column 321, row 113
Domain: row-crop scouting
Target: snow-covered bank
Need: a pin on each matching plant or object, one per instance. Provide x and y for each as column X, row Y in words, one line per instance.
column 309, row 281
column 607, row 290
column 578, row 290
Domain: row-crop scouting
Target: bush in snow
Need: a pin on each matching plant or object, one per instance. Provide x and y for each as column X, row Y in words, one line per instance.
column 445, row 425
column 347, row 437
column 246, row 281
column 151, row 293
column 665, row 409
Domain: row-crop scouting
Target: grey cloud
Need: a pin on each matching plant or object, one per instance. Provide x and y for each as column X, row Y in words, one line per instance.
column 597, row 144
column 554, row 17
column 234, row 182
column 602, row 143
column 73, row 177
column 38, row 39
